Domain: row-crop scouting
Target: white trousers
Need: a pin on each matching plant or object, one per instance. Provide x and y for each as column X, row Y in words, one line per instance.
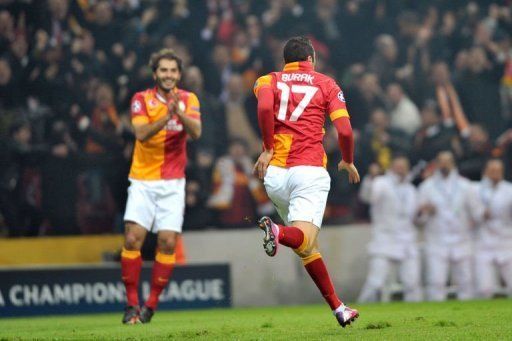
column 438, row 273
column 408, row 272
column 487, row 279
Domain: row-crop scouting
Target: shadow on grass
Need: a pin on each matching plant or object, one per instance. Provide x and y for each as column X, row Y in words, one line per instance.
column 378, row 325
column 445, row 324
column 267, row 325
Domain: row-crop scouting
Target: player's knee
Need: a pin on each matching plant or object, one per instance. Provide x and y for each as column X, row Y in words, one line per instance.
column 307, row 248
column 305, row 251
column 167, row 244
column 311, row 258
column 132, row 241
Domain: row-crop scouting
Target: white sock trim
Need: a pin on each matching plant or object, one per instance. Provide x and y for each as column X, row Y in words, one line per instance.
column 341, row 309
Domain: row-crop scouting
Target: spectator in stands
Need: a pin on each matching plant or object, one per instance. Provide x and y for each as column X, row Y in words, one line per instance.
column 364, row 96
column 9, row 85
column 433, row 136
column 385, row 59
column 104, row 28
column 104, row 163
column 404, row 113
column 380, row 141
column 213, row 137
column 477, row 149
column 237, row 121
column 20, row 182
column 447, row 207
column 285, row 18
column 237, row 192
column 59, row 181
column 219, row 72
column 478, row 87
column 7, row 31
column 393, row 202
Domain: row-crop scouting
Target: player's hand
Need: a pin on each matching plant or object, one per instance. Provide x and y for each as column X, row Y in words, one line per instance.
column 428, row 209
column 487, row 214
column 353, row 174
column 260, row 167
column 174, row 104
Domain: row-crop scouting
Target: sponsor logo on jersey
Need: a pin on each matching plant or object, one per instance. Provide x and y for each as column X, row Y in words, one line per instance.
column 174, row 125
column 341, row 97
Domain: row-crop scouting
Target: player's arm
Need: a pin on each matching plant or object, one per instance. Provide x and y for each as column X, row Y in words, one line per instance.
column 142, row 128
column 265, row 96
column 341, row 120
column 190, row 117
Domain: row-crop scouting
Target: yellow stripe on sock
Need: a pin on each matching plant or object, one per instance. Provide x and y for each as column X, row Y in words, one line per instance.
column 303, row 246
column 130, row 254
column 165, row 259
column 311, row 258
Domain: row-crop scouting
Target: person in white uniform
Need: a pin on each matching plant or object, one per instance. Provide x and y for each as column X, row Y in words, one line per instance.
column 393, row 203
column 449, row 207
column 494, row 238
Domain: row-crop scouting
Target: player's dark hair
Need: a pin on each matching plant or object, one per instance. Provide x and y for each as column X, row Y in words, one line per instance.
column 297, row 49
column 169, row 54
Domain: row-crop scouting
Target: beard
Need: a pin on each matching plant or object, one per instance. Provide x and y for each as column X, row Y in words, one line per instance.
column 161, row 84
column 445, row 171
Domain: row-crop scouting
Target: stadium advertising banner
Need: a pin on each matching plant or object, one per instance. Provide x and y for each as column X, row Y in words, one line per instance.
column 90, row 289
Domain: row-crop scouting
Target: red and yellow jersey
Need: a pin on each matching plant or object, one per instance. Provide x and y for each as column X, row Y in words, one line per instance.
column 164, row 155
column 302, row 98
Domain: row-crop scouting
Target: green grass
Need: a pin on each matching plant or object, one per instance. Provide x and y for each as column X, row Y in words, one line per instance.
column 477, row 320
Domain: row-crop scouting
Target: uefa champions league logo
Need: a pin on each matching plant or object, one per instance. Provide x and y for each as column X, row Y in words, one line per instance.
column 341, row 97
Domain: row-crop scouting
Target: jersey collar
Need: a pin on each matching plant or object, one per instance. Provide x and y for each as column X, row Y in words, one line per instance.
column 299, row 66
column 160, row 97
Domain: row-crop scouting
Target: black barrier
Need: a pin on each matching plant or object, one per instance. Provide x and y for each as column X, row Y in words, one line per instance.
column 97, row 289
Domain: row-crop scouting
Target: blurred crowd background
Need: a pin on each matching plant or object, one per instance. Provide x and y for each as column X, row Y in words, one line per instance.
column 419, row 77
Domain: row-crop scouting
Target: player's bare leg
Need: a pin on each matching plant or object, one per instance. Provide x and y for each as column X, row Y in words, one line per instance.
column 302, row 238
column 131, row 264
column 162, row 270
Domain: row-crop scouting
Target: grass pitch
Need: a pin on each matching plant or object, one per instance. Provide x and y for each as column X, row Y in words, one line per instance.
column 476, row 320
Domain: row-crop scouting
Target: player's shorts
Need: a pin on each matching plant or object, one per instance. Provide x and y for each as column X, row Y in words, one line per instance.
column 156, row 205
column 299, row 193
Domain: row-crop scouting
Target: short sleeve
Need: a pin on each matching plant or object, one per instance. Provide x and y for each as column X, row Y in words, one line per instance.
column 336, row 106
column 261, row 82
column 138, row 110
column 193, row 108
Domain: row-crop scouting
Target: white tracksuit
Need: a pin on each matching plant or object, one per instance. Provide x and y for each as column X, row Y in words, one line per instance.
column 394, row 236
column 449, row 234
column 494, row 239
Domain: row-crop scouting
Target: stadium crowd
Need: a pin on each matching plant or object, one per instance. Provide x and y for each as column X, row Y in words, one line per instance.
column 419, row 77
